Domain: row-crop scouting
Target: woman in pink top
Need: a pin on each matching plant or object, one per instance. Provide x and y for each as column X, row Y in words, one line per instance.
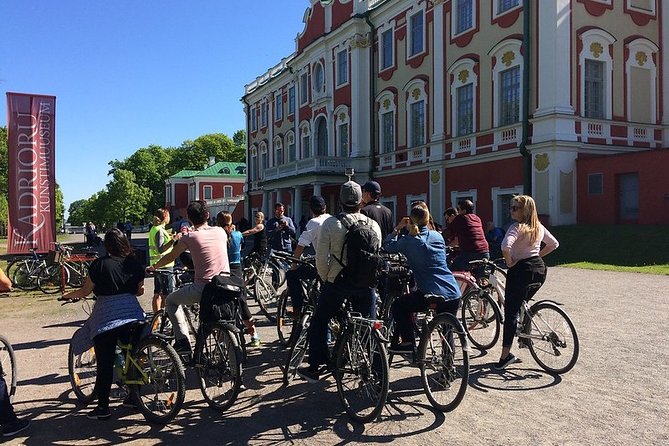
column 522, row 251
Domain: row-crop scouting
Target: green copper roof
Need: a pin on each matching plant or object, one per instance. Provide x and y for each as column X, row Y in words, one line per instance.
column 220, row 169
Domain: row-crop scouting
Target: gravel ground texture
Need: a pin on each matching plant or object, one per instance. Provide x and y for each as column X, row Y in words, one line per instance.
column 616, row 395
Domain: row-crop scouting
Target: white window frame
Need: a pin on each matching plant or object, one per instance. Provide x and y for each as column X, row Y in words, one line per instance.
column 290, row 141
column 454, row 18
column 253, row 173
column 416, row 93
column 411, row 198
column 507, row 55
column 316, row 91
column 386, row 103
column 382, row 31
column 593, row 40
column 227, row 191
column 263, row 113
column 457, row 195
column 206, row 189
column 409, row 40
column 278, row 106
column 263, row 161
column 495, row 194
column 292, row 106
column 651, row 12
column 168, row 194
column 278, row 147
column 342, row 117
column 497, row 8
column 345, row 81
column 305, row 133
column 463, row 73
column 304, row 87
column 647, row 49
column 254, row 118
column 392, row 200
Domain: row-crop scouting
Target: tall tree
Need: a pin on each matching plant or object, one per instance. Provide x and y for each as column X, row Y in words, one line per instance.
column 125, row 199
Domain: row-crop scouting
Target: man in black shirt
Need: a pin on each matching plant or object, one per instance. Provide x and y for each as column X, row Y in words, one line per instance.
column 371, row 191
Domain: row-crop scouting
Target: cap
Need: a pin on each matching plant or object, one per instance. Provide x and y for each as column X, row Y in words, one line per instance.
column 317, row 202
column 350, row 194
column 372, row 186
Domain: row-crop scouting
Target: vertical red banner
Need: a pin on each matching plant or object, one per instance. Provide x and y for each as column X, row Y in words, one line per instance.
column 31, row 124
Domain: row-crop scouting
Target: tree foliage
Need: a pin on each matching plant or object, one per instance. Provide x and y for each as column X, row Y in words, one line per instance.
column 137, row 186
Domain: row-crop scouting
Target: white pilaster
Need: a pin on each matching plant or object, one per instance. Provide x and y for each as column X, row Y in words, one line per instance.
column 265, row 204
column 554, row 55
column 360, row 94
column 297, row 207
column 317, row 188
column 438, row 134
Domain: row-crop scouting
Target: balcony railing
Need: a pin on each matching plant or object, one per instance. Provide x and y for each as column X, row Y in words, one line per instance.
column 317, row 164
column 616, row 133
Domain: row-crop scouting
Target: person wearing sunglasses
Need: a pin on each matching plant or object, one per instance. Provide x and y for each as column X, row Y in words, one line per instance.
column 523, row 253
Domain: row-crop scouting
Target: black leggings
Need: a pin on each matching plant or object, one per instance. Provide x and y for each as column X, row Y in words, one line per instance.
column 519, row 277
column 404, row 307
column 238, row 274
column 105, row 353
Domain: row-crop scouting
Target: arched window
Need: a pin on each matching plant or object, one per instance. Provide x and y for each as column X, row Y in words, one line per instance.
column 464, row 83
column 386, row 106
column 507, row 79
column 254, row 163
column 322, row 136
column 319, row 79
column 290, row 144
column 416, row 113
column 263, row 160
column 278, row 151
column 596, row 69
column 305, row 141
column 342, row 123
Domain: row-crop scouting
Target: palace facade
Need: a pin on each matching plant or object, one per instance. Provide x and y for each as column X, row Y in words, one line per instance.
column 483, row 99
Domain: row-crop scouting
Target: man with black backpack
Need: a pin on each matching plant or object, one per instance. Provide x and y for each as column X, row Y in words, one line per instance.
column 347, row 260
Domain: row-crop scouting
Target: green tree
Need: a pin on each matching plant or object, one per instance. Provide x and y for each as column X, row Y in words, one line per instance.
column 195, row 154
column 76, row 212
column 124, row 199
column 60, row 208
column 239, row 138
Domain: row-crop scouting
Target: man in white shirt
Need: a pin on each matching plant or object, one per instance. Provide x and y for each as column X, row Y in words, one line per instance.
column 308, row 237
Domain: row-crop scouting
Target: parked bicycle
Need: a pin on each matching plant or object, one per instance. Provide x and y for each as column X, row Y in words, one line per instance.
column 67, row 269
column 8, row 366
column 147, row 367
column 24, row 271
column 261, row 281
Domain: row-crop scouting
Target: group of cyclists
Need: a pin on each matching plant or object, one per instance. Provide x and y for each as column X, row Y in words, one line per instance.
column 117, row 278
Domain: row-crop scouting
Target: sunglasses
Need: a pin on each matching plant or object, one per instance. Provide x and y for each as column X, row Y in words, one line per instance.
column 515, row 208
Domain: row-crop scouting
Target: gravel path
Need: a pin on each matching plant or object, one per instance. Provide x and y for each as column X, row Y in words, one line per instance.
column 617, row 394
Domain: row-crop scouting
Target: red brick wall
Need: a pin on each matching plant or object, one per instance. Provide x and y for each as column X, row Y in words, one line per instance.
column 180, row 195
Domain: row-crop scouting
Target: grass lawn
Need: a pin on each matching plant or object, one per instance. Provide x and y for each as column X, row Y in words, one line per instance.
column 633, row 248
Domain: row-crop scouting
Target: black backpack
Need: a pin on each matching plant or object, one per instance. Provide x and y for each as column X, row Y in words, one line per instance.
column 362, row 253
column 219, row 299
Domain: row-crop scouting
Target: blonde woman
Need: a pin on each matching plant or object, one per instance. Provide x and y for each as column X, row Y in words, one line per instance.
column 425, row 251
column 522, row 251
column 259, row 235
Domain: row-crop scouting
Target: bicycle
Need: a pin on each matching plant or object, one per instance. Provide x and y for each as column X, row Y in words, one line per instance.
column 8, row 366
column 287, row 317
column 24, row 271
column 549, row 333
column 67, row 269
column 442, row 356
column 260, row 277
column 160, row 322
column 147, row 366
column 358, row 361
column 480, row 314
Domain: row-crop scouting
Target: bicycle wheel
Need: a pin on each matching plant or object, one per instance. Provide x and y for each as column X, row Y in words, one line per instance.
column 278, row 274
column 83, row 371
column 444, row 362
column 219, row 367
column 160, row 323
column 362, row 374
column 267, row 300
column 77, row 274
column 284, row 319
column 157, row 380
column 553, row 341
column 25, row 275
column 15, row 263
column 49, row 278
column 481, row 318
column 298, row 350
column 8, row 366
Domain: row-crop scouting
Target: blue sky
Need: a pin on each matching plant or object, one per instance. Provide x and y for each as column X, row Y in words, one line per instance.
column 128, row 74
